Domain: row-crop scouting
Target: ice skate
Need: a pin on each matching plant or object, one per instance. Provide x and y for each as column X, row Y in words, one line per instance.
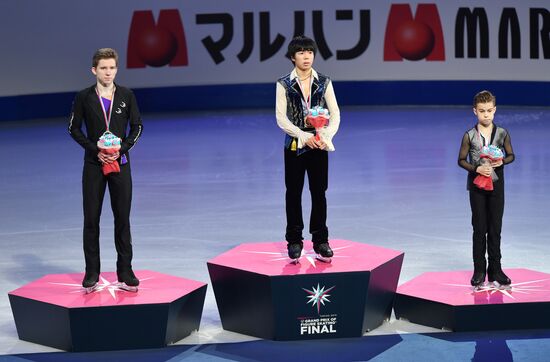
column 89, row 283
column 323, row 252
column 478, row 280
column 295, row 252
column 127, row 280
column 91, row 289
column 498, row 278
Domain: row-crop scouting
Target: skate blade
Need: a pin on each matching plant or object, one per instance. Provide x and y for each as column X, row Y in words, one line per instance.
column 501, row 286
column 127, row 288
column 324, row 259
column 480, row 287
column 294, row 261
column 90, row 289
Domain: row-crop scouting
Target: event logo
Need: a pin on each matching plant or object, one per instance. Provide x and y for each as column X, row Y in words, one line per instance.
column 414, row 38
column 318, row 296
column 156, row 44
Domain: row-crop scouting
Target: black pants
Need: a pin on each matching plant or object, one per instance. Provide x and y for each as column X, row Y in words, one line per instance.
column 487, row 211
column 93, row 192
column 315, row 163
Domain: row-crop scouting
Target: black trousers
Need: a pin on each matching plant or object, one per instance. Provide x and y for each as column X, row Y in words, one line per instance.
column 487, row 211
column 315, row 163
column 93, row 192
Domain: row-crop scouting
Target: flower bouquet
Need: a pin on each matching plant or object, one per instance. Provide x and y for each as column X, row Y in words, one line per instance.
column 317, row 118
column 109, row 143
column 488, row 154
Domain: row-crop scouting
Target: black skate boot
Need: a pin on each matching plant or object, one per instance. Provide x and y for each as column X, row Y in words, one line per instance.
column 90, row 282
column 295, row 251
column 323, row 251
column 495, row 274
column 127, row 280
column 478, row 279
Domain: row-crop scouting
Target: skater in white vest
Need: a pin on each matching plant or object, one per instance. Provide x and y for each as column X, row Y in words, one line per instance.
column 297, row 93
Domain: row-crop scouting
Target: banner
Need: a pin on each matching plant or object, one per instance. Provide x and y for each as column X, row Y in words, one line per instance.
column 47, row 46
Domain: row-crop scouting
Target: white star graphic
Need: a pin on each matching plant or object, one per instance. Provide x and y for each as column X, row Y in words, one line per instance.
column 102, row 285
column 318, row 296
column 491, row 288
column 308, row 254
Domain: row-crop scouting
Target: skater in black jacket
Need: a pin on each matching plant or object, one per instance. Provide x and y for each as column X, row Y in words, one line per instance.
column 106, row 107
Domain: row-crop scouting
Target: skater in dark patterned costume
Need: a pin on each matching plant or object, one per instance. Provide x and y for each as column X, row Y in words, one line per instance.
column 487, row 206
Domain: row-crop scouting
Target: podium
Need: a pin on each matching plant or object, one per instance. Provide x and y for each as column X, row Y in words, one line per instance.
column 55, row 311
column 446, row 300
column 259, row 293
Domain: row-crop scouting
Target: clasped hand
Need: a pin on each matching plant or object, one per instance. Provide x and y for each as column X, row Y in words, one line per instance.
column 486, row 169
column 312, row 142
column 106, row 158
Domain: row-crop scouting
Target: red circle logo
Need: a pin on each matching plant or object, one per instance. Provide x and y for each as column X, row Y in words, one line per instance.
column 156, row 46
column 413, row 40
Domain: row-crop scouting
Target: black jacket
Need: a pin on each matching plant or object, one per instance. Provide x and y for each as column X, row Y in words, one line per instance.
column 87, row 110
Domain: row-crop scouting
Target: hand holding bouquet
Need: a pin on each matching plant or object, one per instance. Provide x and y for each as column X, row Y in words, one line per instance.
column 488, row 155
column 318, row 118
column 109, row 144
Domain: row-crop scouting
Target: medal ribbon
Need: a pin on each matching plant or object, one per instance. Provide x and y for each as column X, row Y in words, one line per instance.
column 107, row 118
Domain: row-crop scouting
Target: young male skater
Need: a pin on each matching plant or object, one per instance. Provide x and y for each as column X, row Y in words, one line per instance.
column 487, row 206
column 298, row 92
column 106, row 106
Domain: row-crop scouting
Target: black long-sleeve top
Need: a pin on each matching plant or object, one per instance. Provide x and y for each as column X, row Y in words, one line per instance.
column 470, row 149
column 88, row 111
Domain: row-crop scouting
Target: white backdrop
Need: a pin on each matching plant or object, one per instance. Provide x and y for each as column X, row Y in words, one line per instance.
column 47, row 45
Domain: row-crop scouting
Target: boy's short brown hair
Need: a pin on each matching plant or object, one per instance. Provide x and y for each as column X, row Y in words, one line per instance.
column 104, row 53
column 484, row 97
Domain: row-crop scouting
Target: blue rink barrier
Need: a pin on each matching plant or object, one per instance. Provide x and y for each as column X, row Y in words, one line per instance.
column 262, row 95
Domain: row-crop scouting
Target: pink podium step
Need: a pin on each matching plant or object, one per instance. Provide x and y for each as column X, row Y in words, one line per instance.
column 446, row 300
column 55, row 311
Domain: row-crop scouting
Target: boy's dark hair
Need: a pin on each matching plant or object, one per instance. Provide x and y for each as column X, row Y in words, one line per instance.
column 484, row 97
column 300, row 43
column 104, row 53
